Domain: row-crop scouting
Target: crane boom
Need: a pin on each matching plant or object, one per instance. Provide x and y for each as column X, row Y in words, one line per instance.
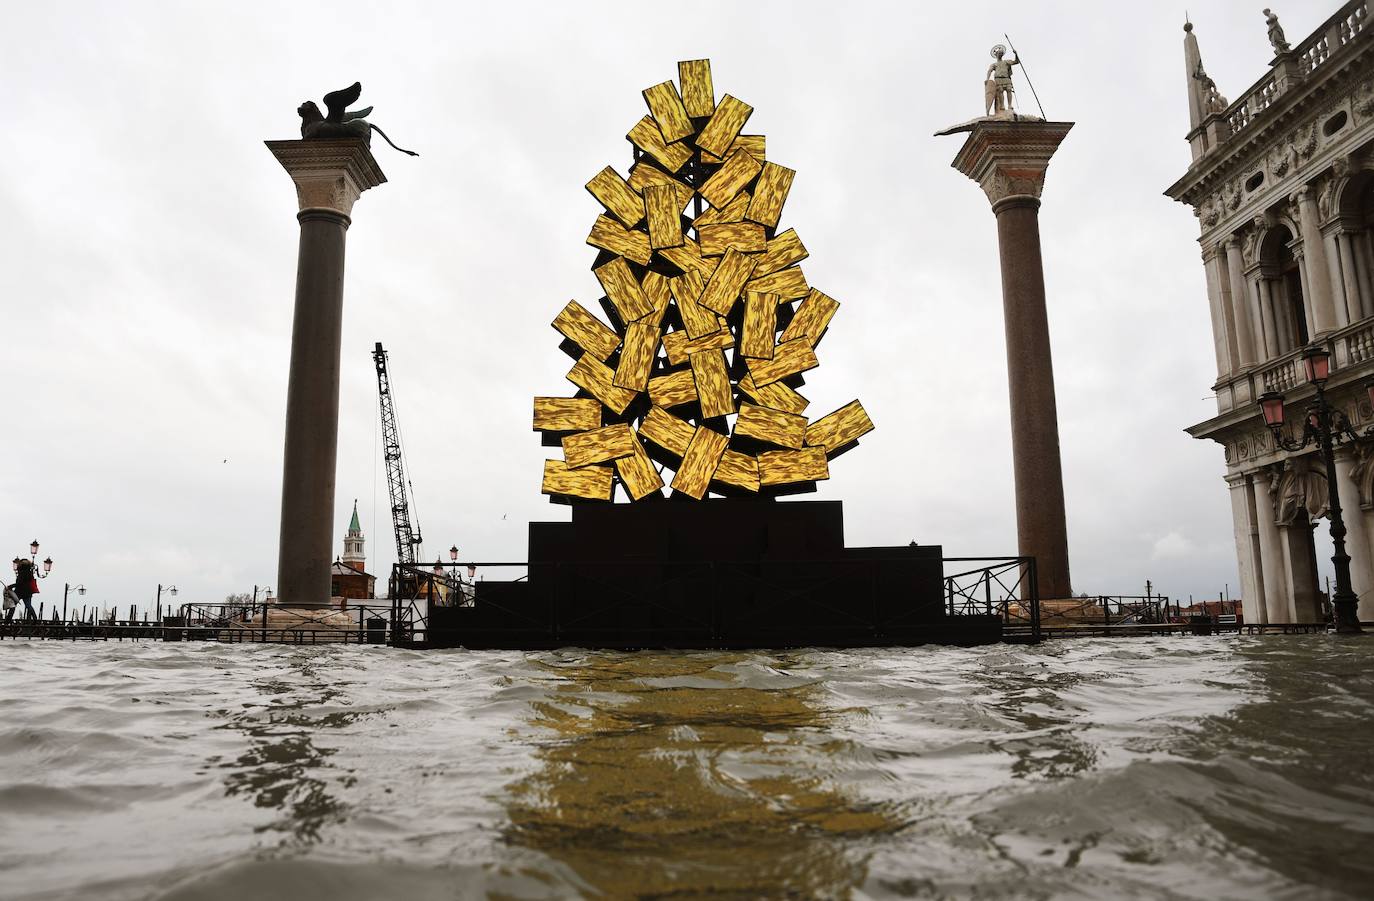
column 407, row 539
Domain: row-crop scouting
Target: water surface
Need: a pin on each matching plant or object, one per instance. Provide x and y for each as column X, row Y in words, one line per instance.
column 1170, row 767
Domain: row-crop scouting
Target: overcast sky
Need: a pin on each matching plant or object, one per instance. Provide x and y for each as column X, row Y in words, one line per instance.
column 148, row 242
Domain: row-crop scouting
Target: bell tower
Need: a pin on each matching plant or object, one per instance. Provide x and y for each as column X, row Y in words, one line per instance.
column 354, row 553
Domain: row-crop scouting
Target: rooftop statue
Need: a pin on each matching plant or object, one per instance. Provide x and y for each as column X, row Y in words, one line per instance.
column 1215, row 102
column 340, row 124
column 998, row 92
column 1276, row 33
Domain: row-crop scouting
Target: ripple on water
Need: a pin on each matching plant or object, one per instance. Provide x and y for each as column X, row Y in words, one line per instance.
column 1145, row 768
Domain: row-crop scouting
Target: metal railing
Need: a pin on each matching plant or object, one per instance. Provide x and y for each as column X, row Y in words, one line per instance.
column 1003, row 586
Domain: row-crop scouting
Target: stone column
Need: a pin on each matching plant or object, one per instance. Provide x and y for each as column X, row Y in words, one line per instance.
column 1319, row 297
column 1240, row 308
column 1356, row 535
column 1008, row 159
column 1358, row 306
column 1264, row 300
column 1223, row 330
column 1301, row 564
column 1347, row 304
column 1274, row 569
column 329, row 177
column 1363, row 254
column 1246, row 535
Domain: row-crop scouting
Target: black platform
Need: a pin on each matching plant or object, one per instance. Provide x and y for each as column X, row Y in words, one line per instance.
column 721, row 573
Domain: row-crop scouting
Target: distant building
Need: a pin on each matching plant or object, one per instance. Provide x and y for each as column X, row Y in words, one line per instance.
column 1282, row 182
column 349, row 577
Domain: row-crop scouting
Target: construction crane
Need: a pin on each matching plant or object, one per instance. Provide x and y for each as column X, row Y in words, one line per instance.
column 407, row 538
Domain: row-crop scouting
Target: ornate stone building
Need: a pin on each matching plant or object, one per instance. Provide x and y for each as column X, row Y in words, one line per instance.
column 1282, row 182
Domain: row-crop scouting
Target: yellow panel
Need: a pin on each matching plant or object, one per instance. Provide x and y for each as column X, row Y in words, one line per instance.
column 566, row 414
column 598, row 445
column 840, row 429
column 638, row 474
column 578, row 325
column 760, row 325
column 666, row 430
column 646, row 136
column 665, row 220
column 596, row 378
column 783, row 251
column 747, row 237
column 773, row 426
column 731, row 212
column 593, row 482
column 700, row 461
column 658, row 291
column 643, row 174
column 698, row 94
column 624, row 292
column 789, row 358
column 755, row 144
column 680, row 348
column 726, row 122
column 788, row 466
column 738, row 470
column 609, row 235
column 777, row 395
column 736, row 172
column 688, row 258
column 770, row 194
column 637, row 355
column 617, row 196
column 713, row 383
column 812, row 318
column 698, row 320
column 668, row 112
column 786, row 283
column 723, row 289
column 673, row 389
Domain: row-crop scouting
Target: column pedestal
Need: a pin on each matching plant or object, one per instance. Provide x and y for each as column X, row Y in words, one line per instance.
column 329, row 177
column 1008, row 157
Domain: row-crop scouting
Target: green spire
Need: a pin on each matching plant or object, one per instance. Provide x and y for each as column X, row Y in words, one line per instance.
column 354, row 526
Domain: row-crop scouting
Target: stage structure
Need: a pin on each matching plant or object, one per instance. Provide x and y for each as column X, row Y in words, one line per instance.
column 686, row 406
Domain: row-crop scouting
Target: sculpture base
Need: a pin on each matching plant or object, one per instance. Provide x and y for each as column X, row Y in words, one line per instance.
column 722, row 573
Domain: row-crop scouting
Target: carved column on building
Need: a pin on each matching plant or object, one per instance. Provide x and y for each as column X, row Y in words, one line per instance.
column 1240, row 306
column 1247, row 548
column 329, row 176
column 1264, row 302
column 1357, row 536
column 1223, row 329
column 1358, row 302
column 1317, row 272
column 1273, row 565
column 1008, row 158
column 1300, row 565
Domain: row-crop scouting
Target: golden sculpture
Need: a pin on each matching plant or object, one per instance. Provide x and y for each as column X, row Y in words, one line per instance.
column 712, row 322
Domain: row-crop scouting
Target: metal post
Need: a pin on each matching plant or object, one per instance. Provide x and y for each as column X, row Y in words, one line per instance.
column 1346, row 604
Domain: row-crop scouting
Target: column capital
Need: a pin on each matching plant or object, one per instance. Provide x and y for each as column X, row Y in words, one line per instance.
column 329, row 175
column 1008, row 157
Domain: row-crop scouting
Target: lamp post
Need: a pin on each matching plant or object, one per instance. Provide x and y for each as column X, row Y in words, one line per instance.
column 1326, row 427
column 80, row 589
column 26, row 572
column 171, row 589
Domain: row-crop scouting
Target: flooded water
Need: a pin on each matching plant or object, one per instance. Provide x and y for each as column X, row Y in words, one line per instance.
column 1133, row 768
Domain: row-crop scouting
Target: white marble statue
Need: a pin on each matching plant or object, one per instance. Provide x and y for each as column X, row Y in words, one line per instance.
column 998, row 92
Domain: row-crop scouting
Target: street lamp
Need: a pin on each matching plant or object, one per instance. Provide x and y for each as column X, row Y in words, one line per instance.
column 1325, row 427
column 453, row 554
column 80, row 589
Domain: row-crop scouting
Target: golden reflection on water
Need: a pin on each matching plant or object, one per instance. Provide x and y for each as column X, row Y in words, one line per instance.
column 700, row 774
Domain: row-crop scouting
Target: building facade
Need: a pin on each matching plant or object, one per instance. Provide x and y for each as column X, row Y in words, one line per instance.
column 1282, row 183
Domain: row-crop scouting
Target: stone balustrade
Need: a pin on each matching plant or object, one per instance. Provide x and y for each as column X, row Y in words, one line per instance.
column 1315, row 51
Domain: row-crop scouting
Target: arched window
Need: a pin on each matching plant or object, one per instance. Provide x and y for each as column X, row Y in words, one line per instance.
column 1282, row 290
